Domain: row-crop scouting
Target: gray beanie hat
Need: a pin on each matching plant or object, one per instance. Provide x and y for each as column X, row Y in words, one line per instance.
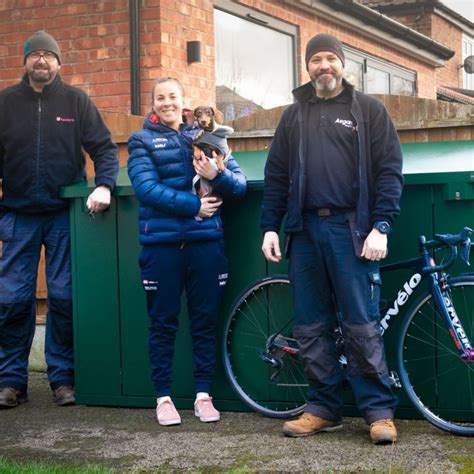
column 217, row 139
column 41, row 40
column 323, row 42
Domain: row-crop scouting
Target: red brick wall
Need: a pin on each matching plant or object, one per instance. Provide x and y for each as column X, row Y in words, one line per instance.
column 448, row 34
column 166, row 26
column 94, row 38
column 92, row 35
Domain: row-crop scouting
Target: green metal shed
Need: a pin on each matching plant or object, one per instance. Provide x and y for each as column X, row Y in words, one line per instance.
column 110, row 318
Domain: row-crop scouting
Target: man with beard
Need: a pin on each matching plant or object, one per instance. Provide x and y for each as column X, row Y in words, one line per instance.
column 334, row 168
column 45, row 126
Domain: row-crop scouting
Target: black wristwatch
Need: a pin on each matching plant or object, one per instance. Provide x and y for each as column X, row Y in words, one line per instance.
column 383, row 227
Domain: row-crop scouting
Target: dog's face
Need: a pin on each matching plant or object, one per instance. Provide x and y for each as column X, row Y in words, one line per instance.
column 205, row 117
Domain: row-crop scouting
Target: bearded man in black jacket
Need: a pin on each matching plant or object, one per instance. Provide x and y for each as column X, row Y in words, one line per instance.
column 335, row 169
column 45, row 126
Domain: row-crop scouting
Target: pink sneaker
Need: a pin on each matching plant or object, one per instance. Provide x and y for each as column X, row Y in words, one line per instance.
column 167, row 414
column 204, row 409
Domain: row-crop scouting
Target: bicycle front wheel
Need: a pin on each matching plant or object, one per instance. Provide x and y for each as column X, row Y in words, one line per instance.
column 438, row 382
column 260, row 313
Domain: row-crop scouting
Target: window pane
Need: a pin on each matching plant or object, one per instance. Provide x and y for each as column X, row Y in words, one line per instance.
column 377, row 81
column 254, row 66
column 403, row 86
column 353, row 73
column 468, row 50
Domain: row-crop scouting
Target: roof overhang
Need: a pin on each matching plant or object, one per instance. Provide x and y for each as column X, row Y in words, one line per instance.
column 375, row 25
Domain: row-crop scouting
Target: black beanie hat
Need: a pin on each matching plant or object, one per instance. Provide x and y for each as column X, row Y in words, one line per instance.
column 323, row 42
column 41, row 40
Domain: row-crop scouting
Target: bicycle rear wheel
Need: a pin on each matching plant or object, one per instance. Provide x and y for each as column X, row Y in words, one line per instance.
column 439, row 384
column 262, row 311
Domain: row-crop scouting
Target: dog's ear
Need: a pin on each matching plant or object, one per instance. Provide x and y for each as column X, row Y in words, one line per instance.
column 195, row 111
column 218, row 115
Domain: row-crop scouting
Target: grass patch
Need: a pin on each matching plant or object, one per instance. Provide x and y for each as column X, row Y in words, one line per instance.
column 465, row 463
column 13, row 467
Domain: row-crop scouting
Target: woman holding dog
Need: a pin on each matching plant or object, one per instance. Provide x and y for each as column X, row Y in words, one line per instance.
column 182, row 243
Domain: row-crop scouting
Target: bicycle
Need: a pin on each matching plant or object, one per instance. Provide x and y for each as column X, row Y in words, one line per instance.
column 435, row 349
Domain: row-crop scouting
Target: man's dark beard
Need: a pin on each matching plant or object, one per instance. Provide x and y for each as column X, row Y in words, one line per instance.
column 40, row 77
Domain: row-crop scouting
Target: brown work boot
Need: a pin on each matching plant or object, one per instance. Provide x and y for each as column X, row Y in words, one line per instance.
column 64, row 396
column 383, row 432
column 11, row 397
column 308, row 424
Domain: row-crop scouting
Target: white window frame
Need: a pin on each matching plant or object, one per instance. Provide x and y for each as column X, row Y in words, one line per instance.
column 467, row 50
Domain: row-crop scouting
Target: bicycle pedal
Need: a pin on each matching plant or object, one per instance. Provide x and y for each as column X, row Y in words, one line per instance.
column 394, row 380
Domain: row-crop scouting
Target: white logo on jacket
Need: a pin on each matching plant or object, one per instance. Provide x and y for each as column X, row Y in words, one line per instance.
column 160, row 142
column 345, row 123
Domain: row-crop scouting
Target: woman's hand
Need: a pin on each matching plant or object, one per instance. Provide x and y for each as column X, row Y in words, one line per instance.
column 203, row 166
column 209, row 206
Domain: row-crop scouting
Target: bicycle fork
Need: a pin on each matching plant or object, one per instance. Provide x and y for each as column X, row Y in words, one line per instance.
column 454, row 325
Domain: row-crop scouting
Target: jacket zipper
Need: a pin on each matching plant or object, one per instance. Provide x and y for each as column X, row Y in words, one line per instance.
column 39, row 147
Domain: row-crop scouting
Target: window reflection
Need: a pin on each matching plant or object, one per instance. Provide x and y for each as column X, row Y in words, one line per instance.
column 354, row 73
column 402, row 86
column 378, row 82
column 254, row 66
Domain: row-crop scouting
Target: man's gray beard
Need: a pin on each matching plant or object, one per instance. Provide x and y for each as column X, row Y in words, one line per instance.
column 324, row 85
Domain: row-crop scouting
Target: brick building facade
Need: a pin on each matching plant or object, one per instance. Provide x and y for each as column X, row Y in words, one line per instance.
column 435, row 20
column 95, row 39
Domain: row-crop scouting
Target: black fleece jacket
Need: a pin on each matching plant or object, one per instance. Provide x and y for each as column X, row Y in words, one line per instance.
column 42, row 141
column 379, row 164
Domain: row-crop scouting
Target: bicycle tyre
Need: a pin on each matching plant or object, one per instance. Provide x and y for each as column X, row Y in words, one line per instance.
column 260, row 311
column 438, row 383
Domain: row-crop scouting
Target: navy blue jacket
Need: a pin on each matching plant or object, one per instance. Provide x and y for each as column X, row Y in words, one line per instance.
column 42, row 141
column 161, row 171
column 376, row 149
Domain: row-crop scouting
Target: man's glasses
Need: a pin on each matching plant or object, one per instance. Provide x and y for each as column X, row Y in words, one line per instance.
column 47, row 55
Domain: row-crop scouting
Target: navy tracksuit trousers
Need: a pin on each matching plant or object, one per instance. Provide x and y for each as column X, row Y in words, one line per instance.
column 329, row 280
column 199, row 268
column 22, row 237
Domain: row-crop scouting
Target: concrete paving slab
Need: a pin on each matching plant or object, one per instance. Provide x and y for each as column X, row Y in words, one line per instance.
column 131, row 440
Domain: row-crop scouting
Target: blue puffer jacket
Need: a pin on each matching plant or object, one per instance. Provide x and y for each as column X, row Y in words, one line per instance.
column 161, row 171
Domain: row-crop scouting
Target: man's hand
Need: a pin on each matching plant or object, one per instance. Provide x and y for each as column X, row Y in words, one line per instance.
column 209, row 206
column 204, row 168
column 271, row 246
column 99, row 199
column 375, row 246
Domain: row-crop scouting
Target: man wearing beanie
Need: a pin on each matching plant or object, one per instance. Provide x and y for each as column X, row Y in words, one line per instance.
column 335, row 169
column 45, row 126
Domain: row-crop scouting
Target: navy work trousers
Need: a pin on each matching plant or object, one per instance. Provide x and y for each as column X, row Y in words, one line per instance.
column 199, row 268
column 22, row 237
column 329, row 284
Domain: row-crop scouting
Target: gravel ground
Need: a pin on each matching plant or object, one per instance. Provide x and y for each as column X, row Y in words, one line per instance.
column 130, row 440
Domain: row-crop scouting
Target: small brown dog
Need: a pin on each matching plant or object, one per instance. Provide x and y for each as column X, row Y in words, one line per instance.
column 212, row 137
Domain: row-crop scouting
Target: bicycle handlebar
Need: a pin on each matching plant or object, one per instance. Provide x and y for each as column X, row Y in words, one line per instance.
column 451, row 241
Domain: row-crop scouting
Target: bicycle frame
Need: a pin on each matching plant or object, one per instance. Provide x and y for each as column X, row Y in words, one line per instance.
column 443, row 302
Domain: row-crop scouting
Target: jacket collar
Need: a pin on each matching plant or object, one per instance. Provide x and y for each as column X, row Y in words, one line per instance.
column 47, row 90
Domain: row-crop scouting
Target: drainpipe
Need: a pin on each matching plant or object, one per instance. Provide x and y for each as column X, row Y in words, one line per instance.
column 134, row 28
